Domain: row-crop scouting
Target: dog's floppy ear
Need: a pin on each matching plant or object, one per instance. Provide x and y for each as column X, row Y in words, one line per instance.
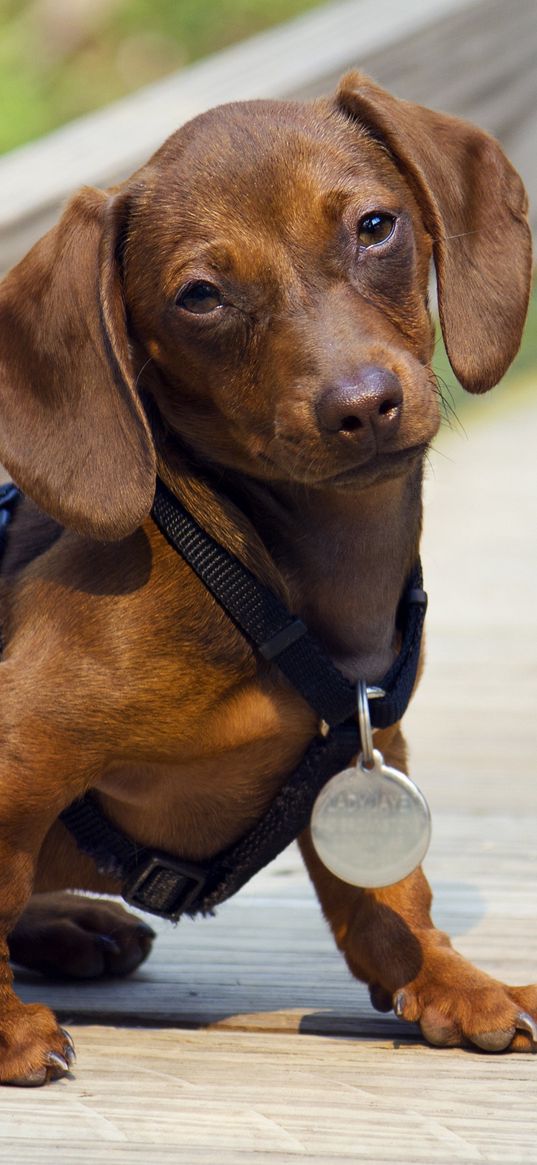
column 73, row 434
column 474, row 207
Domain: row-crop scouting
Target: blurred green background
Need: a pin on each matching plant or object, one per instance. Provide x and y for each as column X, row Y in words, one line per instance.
column 62, row 58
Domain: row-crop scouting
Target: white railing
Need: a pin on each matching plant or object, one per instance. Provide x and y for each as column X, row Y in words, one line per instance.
column 473, row 57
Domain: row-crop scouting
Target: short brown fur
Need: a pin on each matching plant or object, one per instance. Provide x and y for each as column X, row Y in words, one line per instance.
column 120, row 672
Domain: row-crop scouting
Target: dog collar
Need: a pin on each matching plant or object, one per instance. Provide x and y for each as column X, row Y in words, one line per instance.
column 163, row 884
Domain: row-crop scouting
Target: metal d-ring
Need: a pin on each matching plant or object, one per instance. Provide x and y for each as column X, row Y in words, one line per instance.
column 364, row 695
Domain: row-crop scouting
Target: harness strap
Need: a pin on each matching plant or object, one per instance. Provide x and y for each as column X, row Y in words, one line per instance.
column 9, row 498
column 278, row 635
column 165, row 885
column 162, row 884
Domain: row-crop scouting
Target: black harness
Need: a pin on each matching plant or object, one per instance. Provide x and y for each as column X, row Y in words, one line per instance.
column 165, row 885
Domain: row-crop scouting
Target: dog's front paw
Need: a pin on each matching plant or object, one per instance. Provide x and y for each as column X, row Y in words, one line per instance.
column 455, row 1004
column 68, row 936
column 34, row 1048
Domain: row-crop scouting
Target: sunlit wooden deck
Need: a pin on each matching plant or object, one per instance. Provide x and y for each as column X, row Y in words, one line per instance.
column 244, row 1038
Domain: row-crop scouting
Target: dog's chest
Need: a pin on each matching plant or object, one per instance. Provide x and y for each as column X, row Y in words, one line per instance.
column 222, row 778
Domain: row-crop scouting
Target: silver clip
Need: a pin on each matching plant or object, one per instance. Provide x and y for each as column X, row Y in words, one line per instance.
column 372, row 693
column 364, row 721
column 364, row 695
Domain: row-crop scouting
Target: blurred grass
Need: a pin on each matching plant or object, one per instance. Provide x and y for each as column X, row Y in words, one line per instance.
column 60, row 59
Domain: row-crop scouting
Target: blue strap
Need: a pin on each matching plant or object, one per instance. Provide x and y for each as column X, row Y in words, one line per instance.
column 10, row 495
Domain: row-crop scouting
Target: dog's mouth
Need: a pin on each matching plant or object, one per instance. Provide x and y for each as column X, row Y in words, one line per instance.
column 376, row 468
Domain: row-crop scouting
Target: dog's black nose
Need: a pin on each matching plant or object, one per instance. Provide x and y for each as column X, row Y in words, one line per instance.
column 372, row 401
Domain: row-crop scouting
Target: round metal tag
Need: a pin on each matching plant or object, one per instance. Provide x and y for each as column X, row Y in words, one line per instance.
column 371, row 826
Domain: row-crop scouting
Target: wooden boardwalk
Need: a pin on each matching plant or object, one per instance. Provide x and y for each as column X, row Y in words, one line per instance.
column 244, row 1039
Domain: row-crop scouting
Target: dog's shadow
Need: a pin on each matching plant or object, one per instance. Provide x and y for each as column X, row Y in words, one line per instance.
column 185, row 985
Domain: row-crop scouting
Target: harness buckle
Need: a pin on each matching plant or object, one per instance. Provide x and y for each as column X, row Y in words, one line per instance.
column 163, row 886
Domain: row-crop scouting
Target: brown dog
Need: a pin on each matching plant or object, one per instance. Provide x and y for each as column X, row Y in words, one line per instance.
column 248, row 315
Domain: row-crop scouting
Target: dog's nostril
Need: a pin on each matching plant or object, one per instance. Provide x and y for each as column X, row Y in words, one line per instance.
column 389, row 406
column 349, row 424
column 372, row 400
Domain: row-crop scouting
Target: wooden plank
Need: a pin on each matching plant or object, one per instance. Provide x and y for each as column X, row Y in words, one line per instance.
column 475, row 714
column 234, row 1097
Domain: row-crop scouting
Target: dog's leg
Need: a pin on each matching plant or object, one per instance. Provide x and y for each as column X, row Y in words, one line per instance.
column 390, row 942
column 34, row 1048
column 69, row 936
column 41, row 771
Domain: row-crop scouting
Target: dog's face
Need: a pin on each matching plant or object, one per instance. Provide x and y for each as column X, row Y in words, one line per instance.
column 282, row 296
column 264, row 279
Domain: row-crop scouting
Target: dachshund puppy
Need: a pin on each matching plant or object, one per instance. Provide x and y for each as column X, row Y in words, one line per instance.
column 247, row 316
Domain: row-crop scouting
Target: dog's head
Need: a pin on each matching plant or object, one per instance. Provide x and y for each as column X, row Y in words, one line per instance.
column 264, row 279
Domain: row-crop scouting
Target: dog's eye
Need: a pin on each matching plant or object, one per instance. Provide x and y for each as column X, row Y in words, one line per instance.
column 200, row 298
column 375, row 228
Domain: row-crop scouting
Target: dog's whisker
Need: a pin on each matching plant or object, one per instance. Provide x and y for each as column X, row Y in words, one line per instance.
column 462, row 235
column 440, row 453
column 142, row 370
column 445, row 394
column 430, row 465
